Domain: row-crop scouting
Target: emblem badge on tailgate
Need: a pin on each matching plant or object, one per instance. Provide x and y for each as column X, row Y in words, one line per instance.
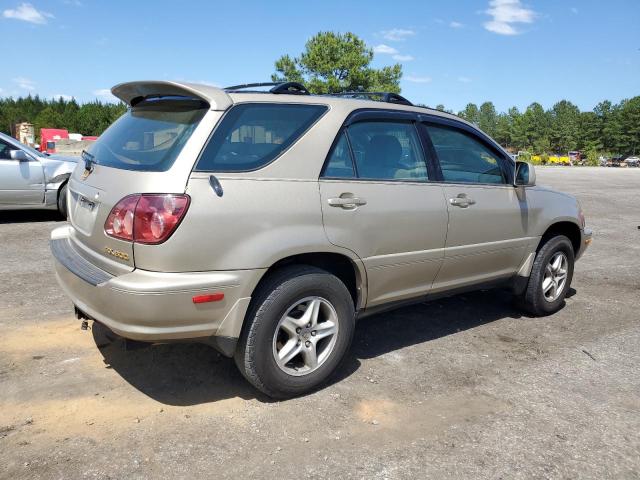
column 117, row 254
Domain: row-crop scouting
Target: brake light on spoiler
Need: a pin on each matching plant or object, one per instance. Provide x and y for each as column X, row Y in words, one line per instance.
column 146, row 218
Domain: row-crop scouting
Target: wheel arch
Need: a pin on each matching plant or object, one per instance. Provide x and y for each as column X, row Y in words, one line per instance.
column 63, row 182
column 348, row 270
column 568, row 228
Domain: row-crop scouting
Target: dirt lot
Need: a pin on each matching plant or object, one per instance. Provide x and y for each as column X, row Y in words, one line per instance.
column 464, row 387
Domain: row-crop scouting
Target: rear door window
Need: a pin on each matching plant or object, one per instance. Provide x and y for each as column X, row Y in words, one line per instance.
column 254, row 134
column 387, row 151
column 381, row 151
column 463, row 158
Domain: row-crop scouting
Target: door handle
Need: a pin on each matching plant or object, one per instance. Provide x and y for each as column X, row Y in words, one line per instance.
column 348, row 203
column 462, row 201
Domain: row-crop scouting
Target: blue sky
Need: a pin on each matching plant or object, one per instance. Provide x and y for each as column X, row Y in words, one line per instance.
column 512, row 52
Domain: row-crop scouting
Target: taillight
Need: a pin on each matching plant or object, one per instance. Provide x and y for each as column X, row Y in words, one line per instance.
column 146, row 218
column 119, row 223
column 157, row 216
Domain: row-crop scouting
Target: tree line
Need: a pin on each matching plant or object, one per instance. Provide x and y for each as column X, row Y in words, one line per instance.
column 90, row 118
column 609, row 129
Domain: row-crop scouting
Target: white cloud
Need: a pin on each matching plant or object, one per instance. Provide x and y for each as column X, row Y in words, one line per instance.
column 104, row 94
column 402, row 58
column 385, row 49
column 397, row 34
column 417, row 79
column 456, row 25
column 396, row 55
column 63, row 96
column 464, row 79
column 27, row 13
column 25, row 83
column 505, row 13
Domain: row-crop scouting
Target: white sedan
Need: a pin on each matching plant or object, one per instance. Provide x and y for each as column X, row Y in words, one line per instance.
column 30, row 179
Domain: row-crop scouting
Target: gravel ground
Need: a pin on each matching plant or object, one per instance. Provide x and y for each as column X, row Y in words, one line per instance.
column 464, row 387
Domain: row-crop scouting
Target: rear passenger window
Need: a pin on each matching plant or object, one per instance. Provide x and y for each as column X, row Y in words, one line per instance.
column 464, row 159
column 252, row 135
column 387, row 151
column 340, row 164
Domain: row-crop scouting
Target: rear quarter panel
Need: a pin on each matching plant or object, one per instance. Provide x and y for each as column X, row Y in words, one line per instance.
column 254, row 224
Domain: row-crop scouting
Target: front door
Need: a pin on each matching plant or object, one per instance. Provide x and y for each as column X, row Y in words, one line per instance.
column 21, row 182
column 488, row 217
column 377, row 200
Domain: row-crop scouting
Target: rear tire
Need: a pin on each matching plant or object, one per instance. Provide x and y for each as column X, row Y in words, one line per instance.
column 280, row 324
column 62, row 201
column 550, row 277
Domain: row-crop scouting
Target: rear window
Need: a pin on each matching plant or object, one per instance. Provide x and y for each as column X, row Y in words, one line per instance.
column 254, row 134
column 150, row 135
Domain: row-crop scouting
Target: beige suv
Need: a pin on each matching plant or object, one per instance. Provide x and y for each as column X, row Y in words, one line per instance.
column 266, row 222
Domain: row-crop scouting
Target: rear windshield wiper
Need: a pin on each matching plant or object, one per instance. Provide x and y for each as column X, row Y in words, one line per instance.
column 89, row 160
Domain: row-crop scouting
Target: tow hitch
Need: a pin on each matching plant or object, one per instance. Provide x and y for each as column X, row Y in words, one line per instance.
column 80, row 315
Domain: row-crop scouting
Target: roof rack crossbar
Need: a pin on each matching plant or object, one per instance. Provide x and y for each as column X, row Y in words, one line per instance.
column 291, row 88
column 388, row 97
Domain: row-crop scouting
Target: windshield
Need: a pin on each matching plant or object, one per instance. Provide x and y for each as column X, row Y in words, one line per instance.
column 32, row 150
column 150, row 135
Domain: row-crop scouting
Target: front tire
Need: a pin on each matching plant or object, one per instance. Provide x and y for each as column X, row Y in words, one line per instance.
column 550, row 277
column 62, row 201
column 300, row 326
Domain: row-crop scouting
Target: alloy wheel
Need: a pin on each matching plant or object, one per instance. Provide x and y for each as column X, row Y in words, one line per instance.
column 305, row 336
column 555, row 277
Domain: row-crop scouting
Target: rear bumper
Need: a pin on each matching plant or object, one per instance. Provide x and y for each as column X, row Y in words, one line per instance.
column 154, row 306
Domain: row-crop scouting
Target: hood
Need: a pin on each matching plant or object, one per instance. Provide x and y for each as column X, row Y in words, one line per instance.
column 62, row 158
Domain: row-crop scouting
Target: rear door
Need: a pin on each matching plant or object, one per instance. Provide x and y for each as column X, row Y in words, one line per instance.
column 21, row 182
column 378, row 201
column 488, row 219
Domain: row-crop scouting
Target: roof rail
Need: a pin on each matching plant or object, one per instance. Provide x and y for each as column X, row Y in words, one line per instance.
column 291, row 88
column 388, row 97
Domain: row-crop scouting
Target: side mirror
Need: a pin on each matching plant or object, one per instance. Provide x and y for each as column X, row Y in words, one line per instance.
column 19, row 155
column 525, row 174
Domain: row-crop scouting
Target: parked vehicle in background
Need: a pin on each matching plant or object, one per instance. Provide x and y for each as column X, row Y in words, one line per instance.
column 265, row 223
column 30, row 179
column 576, row 157
column 615, row 161
column 59, row 140
column 632, row 161
column 49, row 137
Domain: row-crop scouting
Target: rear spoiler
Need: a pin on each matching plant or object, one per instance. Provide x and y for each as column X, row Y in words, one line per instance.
column 130, row 92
